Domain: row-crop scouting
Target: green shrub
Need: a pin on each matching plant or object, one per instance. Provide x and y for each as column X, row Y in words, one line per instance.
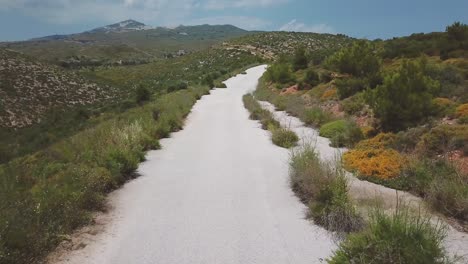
column 220, row 85
column 177, row 86
column 258, row 113
column 315, row 116
column 284, row 138
column 280, row 136
column 458, row 31
column 349, row 86
column 442, row 139
column 324, row 189
column 333, row 128
column 142, row 94
column 405, row 97
column 354, row 104
column 279, row 73
column 397, row 238
column 300, row 60
column 326, row 77
column 342, row 133
column 443, row 187
column 311, row 77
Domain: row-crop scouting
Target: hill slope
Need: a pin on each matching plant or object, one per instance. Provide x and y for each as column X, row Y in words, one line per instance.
column 273, row 44
column 29, row 89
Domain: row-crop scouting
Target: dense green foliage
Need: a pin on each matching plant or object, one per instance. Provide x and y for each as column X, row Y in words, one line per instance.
column 142, row 94
column 405, row 97
column 397, row 238
column 360, row 60
column 342, row 133
column 451, row 44
column 311, row 78
column 279, row 73
column 300, row 61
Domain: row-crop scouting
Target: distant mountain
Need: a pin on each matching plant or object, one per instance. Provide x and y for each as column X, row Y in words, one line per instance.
column 126, row 42
column 124, row 26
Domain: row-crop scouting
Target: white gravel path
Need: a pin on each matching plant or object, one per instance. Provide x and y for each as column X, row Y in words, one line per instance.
column 217, row 192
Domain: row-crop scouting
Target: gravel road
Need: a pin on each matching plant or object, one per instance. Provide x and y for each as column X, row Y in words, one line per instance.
column 217, row 192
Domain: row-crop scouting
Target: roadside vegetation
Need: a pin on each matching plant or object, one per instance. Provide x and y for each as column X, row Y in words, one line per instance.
column 399, row 106
column 324, row 188
column 46, row 195
column 398, row 237
column 280, row 136
column 402, row 117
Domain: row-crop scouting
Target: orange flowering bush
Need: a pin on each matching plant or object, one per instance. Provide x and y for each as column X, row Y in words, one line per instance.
column 462, row 110
column 442, row 102
column 373, row 158
column 382, row 140
column 329, row 94
column 367, row 131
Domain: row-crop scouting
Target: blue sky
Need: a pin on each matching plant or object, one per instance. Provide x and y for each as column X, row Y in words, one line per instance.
column 24, row 19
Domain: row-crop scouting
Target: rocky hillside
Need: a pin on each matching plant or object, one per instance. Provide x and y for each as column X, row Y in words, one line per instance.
column 124, row 26
column 29, row 89
column 271, row 44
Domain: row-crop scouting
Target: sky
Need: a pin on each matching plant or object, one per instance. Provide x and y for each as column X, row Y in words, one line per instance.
column 25, row 19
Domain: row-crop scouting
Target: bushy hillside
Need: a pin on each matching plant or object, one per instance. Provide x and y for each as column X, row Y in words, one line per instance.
column 273, row 44
column 198, row 67
column 127, row 45
column 30, row 89
column 39, row 92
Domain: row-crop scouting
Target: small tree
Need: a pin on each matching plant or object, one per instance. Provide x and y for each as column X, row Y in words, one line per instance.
column 458, row 31
column 359, row 60
column 279, row 73
column 405, row 97
column 311, row 77
column 142, row 94
column 300, row 59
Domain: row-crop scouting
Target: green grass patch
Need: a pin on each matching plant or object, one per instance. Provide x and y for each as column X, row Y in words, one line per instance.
column 397, row 238
column 284, row 138
column 342, row 133
column 325, row 190
column 280, row 136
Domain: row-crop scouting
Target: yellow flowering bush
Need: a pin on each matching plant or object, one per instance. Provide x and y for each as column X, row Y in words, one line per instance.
column 442, row 102
column 373, row 158
column 367, row 131
column 329, row 94
column 462, row 110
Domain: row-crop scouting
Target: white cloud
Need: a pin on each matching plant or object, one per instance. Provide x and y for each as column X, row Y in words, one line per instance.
column 297, row 26
column 244, row 22
column 152, row 12
column 226, row 4
column 71, row 11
